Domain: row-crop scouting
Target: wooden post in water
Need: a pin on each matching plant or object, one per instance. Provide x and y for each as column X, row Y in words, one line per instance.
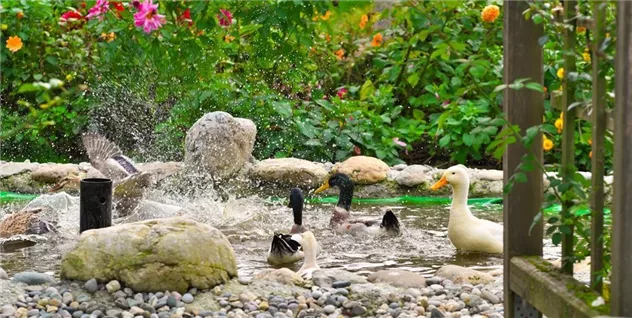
column 522, row 59
column 95, row 205
column 598, row 148
column 568, row 135
column 621, row 293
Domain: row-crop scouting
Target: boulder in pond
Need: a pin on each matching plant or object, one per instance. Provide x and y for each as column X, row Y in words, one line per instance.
column 413, row 175
column 363, row 169
column 398, row 278
column 460, row 275
column 154, row 255
column 290, row 172
column 219, row 144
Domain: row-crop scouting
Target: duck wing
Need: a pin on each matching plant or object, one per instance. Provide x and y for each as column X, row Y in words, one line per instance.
column 106, row 157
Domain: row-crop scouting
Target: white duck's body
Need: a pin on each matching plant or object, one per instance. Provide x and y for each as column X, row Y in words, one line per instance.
column 311, row 249
column 465, row 231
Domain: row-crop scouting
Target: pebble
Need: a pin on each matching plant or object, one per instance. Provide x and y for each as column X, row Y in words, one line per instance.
column 490, row 297
column 113, row 286
column 316, row 294
column 436, row 287
column 341, row 284
column 329, row 309
column 358, row 310
column 187, row 298
column 91, row 286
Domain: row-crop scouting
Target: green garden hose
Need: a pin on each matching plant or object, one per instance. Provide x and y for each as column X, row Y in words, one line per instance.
column 11, row 196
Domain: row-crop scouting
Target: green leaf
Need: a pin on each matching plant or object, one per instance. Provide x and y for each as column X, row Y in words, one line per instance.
column 468, row 139
column 535, row 86
column 553, row 220
column 556, row 238
column 283, row 108
column 37, row 77
column 367, row 90
column 520, row 177
column 551, row 229
column 455, row 82
column 413, row 79
column 536, row 220
column 418, row 114
column 477, row 71
column 444, row 141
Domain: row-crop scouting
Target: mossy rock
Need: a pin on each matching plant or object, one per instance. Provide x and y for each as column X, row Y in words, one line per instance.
column 153, row 255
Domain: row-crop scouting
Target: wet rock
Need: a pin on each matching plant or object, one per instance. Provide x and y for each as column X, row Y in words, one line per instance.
column 399, row 278
column 341, row 284
column 363, row 169
column 91, row 285
column 204, row 256
column 3, row 274
column 413, row 175
column 282, row 275
column 113, row 286
column 220, row 144
column 289, row 172
column 32, row 278
column 187, row 298
column 326, row 277
column 51, row 173
column 460, row 275
column 12, row 168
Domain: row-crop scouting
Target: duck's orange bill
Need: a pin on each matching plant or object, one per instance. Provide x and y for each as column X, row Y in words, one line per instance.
column 323, row 187
column 56, row 187
column 443, row 181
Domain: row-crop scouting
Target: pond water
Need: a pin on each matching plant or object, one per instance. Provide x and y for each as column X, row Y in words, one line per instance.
column 250, row 222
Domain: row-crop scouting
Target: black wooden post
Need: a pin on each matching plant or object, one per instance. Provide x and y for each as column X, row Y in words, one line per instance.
column 621, row 295
column 522, row 59
column 95, row 206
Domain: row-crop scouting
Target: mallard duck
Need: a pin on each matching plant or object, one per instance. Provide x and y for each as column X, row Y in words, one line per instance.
column 105, row 156
column 341, row 219
column 24, row 222
column 311, row 247
column 286, row 248
column 465, row 231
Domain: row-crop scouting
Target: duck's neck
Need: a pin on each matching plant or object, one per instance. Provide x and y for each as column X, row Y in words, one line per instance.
column 298, row 215
column 346, row 195
column 309, row 249
column 459, row 202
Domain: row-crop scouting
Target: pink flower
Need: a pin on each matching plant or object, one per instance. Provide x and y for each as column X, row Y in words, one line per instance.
column 136, row 4
column 98, row 10
column 399, row 143
column 148, row 17
column 225, row 17
column 342, row 92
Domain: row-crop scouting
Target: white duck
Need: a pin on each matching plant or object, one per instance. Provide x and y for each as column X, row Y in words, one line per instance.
column 286, row 248
column 467, row 232
column 310, row 247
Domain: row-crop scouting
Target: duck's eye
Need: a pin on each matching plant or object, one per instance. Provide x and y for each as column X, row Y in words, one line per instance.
column 453, row 172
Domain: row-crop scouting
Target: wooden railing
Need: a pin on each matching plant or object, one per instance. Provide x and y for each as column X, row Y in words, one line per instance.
column 533, row 286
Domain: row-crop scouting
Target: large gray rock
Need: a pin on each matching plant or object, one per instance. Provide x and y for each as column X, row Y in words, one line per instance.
column 219, row 144
column 12, row 168
column 413, row 175
column 53, row 172
column 460, row 275
column 398, row 278
column 153, row 255
column 32, row 278
column 289, row 172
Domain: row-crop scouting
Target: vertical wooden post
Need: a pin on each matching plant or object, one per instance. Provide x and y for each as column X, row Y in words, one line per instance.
column 598, row 148
column 568, row 136
column 621, row 293
column 522, row 59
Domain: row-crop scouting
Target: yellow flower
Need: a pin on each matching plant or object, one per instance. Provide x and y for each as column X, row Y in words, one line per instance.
column 363, row 20
column 69, row 77
column 228, row 38
column 14, row 43
column 377, row 40
column 490, row 13
column 590, row 154
column 340, row 54
column 559, row 124
column 111, row 37
column 547, row 144
column 607, row 35
column 326, row 16
column 590, row 141
column 586, row 56
column 560, row 73
column 315, row 18
column 4, row 27
column 581, row 29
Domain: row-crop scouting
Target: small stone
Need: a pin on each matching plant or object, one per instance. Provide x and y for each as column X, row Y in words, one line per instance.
column 55, row 302
column 470, row 300
column 484, row 307
column 21, row 312
column 187, row 298
column 247, row 296
column 263, row 306
column 237, row 304
column 160, row 304
column 148, row 308
column 127, row 314
column 121, row 303
column 77, row 314
column 91, row 286
column 358, row 310
column 96, row 313
column 50, row 308
column 435, row 313
column 113, row 286
column 32, row 313
column 436, row 287
column 8, row 310
column 341, row 284
column 329, row 309
column 67, row 298
column 32, row 278
column 205, row 313
column 490, row 297
column 83, row 298
column 136, row 311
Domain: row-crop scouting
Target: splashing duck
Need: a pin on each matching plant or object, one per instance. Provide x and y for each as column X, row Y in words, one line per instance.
column 341, row 219
column 467, row 232
column 311, row 247
column 105, row 156
column 286, row 248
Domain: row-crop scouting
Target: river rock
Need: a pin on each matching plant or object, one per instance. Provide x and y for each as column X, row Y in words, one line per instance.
column 413, row 175
column 3, row 274
column 282, row 275
column 289, row 172
column 460, row 275
column 326, row 277
column 363, row 169
column 12, row 168
column 154, row 255
column 32, row 278
column 53, row 172
column 398, row 278
column 220, row 144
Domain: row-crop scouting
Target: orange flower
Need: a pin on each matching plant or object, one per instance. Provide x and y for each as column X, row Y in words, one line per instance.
column 547, row 144
column 581, row 29
column 340, row 54
column 590, row 154
column 14, row 43
column 490, row 13
column 377, row 40
column 590, row 141
column 326, row 16
column 20, row 15
column 327, row 37
column 363, row 20
column 228, row 38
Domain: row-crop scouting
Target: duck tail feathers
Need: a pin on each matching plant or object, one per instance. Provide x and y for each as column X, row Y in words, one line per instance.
column 100, row 148
column 283, row 244
column 390, row 223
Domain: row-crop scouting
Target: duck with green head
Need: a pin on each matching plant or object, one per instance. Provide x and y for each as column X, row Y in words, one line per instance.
column 287, row 248
column 341, row 219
